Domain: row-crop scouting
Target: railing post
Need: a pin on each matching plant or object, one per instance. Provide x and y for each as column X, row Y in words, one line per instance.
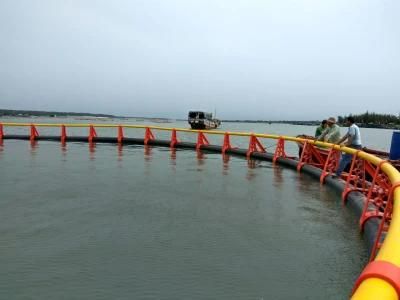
column 92, row 133
column 201, row 140
column 330, row 165
column 120, row 134
column 377, row 197
column 174, row 139
column 227, row 143
column 310, row 156
column 1, row 131
column 254, row 146
column 280, row 149
column 148, row 136
column 34, row 133
column 356, row 178
column 63, row 134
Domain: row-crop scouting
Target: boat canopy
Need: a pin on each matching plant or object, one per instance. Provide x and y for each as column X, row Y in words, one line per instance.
column 200, row 114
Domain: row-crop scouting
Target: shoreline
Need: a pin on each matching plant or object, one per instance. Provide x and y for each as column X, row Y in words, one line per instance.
column 88, row 116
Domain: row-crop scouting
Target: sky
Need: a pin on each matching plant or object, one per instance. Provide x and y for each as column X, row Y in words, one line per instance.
column 253, row 59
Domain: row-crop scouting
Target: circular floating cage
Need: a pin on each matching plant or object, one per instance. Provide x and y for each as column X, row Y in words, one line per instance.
column 371, row 185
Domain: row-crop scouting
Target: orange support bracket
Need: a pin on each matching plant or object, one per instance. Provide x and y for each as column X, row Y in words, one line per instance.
column 357, row 166
column 201, row 140
column 227, row 143
column 280, row 150
column 1, row 131
column 148, row 136
column 378, row 194
column 174, row 139
column 310, row 155
column 331, row 164
column 356, row 179
column 120, row 134
column 254, row 146
column 92, row 133
column 63, row 134
column 34, row 133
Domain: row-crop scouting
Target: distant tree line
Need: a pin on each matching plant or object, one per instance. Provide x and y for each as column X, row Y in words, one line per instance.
column 38, row 113
column 368, row 119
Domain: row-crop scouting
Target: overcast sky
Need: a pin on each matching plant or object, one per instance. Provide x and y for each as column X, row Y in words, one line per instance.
column 272, row 60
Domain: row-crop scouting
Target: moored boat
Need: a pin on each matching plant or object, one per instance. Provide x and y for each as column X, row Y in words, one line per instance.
column 202, row 120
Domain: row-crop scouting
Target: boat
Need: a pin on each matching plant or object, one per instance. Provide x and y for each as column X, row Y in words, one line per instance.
column 202, row 120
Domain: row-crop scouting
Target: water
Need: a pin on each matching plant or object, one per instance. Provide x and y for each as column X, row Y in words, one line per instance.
column 108, row 222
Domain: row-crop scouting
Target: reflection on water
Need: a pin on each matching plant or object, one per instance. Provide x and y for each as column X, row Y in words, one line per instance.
column 225, row 163
column 34, row 146
column 200, row 159
column 173, row 154
column 63, row 147
column 251, row 165
column 147, row 153
column 278, row 177
column 304, row 184
column 172, row 157
column 92, row 151
column 120, row 152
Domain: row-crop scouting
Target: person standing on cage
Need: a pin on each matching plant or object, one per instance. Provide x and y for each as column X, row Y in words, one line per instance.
column 353, row 140
column 318, row 133
column 332, row 133
column 320, row 129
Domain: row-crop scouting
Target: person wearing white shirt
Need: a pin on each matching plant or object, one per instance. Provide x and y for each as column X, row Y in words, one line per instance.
column 352, row 139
